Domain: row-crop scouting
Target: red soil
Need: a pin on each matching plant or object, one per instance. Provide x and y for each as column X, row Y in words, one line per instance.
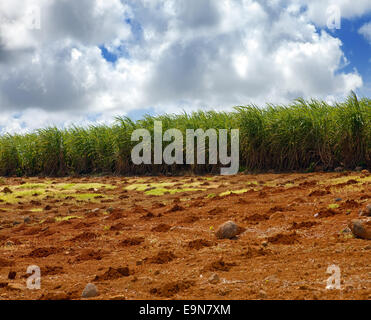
column 164, row 247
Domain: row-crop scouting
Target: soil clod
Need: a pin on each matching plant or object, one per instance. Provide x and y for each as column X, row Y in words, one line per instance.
column 228, row 230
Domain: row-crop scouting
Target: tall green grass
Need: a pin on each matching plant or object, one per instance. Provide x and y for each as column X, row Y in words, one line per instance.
column 299, row 136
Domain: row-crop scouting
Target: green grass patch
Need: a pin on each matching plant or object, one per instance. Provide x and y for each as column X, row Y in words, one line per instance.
column 145, row 186
column 159, row 189
column 37, row 191
column 17, row 196
column 227, row 193
column 333, row 206
column 84, row 186
column 38, row 195
column 32, row 186
column 68, row 218
column 162, row 191
column 345, row 179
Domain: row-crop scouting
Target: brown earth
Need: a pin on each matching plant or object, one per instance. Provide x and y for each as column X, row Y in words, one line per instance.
column 139, row 245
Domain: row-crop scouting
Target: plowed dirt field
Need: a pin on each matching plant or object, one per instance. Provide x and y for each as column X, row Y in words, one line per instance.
column 154, row 237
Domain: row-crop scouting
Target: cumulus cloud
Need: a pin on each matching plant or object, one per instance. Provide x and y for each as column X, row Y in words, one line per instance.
column 365, row 30
column 171, row 55
column 254, row 52
column 58, row 68
column 317, row 10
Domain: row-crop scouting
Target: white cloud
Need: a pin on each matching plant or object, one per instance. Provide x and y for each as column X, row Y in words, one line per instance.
column 249, row 56
column 317, row 9
column 365, row 30
column 178, row 54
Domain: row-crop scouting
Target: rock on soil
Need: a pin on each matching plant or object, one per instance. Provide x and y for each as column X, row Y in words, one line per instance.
column 227, row 230
column 214, row 279
column 90, row 291
column 361, row 228
column 366, row 212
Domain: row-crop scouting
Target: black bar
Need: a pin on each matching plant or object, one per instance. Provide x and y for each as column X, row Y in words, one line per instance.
column 190, row 309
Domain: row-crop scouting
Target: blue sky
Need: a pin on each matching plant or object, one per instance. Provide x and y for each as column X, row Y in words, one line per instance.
column 356, row 48
column 88, row 61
